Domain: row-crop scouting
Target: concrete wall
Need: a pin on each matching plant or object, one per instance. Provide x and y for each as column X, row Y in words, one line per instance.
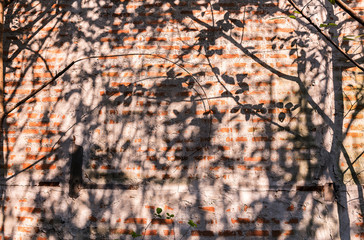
column 230, row 114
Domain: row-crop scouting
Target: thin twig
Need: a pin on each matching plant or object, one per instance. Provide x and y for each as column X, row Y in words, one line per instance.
column 357, row 158
column 185, row 233
column 145, row 229
column 306, row 4
column 352, row 104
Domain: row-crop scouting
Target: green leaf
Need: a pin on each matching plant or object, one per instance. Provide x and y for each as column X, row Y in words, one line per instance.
column 297, row 12
column 332, row 2
column 170, row 216
column 348, row 39
column 352, row 37
column 292, row 16
column 328, row 25
column 135, row 235
column 192, row 224
column 276, row 18
column 159, row 210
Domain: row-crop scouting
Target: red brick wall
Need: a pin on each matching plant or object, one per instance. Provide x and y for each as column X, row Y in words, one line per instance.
column 233, row 115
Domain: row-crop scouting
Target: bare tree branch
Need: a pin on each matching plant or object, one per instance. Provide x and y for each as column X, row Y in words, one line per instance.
column 39, row 89
column 350, row 11
column 2, row 75
column 327, row 37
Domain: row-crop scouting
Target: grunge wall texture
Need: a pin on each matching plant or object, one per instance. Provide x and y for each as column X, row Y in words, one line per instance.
column 228, row 113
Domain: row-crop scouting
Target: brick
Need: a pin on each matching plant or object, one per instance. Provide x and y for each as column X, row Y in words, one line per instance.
column 30, row 131
column 257, row 233
column 355, row 135
column 207, row 209
column 110, row 74
column 120, row 231
column 229, row 233
column 168, row 232
column 241, row 139
column 292, row 221
column 277, row 233
column 26, row 165
column 262, row 220
column 205, row 233
column 45, row 166
column 241, row 220
column 150, row 233
column 22, row 219
column 253, row 159
column 42, row 75
column 39, row 124
column 162, row 221
column 50, row 99
column 27, row 229
column 31, row 209
column 136, row 220
column 45, row 149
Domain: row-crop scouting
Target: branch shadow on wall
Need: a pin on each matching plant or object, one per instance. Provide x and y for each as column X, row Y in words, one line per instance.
column 138, row 131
